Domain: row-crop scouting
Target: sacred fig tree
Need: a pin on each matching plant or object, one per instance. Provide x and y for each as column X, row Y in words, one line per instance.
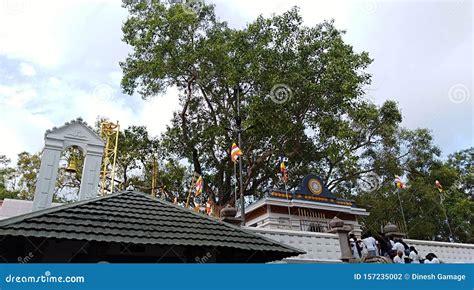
column 300, row 89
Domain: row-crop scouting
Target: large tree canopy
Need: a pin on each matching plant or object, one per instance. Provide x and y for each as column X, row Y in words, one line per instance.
column 326, row 127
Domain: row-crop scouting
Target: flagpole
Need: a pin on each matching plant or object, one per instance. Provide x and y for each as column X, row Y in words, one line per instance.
column 289, row 211
column 239, row 133
column 401, row 208
column 445, row 214
column 235, row 185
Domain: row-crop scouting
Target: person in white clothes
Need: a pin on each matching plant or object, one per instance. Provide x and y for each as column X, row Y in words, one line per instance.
column 398, row 259
column 431, row 259
column 370, row 244
column 414, row 257
column 392, row 243
column 398, row 246
column 354, row 243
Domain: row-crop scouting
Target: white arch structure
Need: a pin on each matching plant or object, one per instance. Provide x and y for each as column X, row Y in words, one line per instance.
column 74, row 133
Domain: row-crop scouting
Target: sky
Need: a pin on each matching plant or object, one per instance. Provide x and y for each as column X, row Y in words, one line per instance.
column 59, row 60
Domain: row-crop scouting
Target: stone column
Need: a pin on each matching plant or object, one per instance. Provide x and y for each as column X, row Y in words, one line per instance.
column 337, row 226
column 47, row 177
column 90, row 176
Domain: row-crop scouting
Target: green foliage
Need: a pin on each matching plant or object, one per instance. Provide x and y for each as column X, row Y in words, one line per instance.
column 6, row 176
column 429, row 214
column 27, row 171
column 463, row 162
column 325, row 128
column 135, row 148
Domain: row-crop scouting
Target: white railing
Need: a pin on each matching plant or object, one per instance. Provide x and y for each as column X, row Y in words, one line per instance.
column 324, row 247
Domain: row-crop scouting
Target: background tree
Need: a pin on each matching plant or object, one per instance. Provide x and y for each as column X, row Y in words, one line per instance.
column 463, row 162
column 27, row 174
column 429, row 214
column 6, row 179
column 134, row 150
column 326, row 127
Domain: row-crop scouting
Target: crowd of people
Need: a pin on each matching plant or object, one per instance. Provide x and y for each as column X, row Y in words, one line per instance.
column 395, row 249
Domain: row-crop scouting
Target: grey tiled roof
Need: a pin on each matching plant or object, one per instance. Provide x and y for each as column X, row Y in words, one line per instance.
column 133, row 217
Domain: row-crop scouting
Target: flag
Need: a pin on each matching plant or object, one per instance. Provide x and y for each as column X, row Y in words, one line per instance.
column 399, row 183
column 199, row 184
column 235, row 152
column 209, row 207
column 439, row 186
column 283, row 170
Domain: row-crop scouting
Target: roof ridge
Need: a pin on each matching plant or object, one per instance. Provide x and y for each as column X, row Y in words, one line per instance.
column 49, row 210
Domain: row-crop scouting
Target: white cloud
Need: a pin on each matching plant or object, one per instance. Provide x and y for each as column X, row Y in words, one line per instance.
column 16, row 97
column 29, row 31
column 72, row 48
column 158, row 112
column 21, row 130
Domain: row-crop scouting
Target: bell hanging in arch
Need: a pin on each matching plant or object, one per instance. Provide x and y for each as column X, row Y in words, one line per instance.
column 72, row 162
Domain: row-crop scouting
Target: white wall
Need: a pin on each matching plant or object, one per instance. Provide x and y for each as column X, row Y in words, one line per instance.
column 446, row 252
column 319, row 247
column 323, row 248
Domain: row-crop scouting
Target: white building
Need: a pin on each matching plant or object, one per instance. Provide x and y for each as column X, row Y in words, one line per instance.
column 307, row 209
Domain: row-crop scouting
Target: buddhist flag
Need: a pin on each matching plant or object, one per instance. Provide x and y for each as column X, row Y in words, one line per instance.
column 439, row 186
column 399, row 183
column 235, row 153
column 209, row 207
column 199, row 184
column 283, row 170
